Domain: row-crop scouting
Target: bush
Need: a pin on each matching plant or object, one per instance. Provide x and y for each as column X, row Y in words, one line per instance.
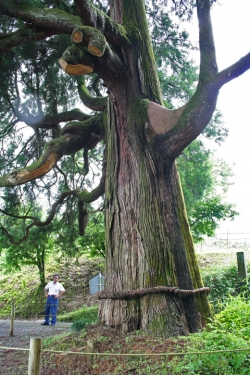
column 217, row 363
column 229, row 331
column 222, row 283
column 235, row 317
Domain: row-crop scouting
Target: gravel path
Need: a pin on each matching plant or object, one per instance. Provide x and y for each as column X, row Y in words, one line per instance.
column 14, row 361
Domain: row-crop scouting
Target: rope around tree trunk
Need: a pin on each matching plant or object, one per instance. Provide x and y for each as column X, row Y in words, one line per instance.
column 107, row 294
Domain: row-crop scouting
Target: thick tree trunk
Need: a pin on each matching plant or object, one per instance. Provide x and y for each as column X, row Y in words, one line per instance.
column 148, row 238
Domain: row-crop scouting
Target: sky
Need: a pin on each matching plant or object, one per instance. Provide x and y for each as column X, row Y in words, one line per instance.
column 231, row 27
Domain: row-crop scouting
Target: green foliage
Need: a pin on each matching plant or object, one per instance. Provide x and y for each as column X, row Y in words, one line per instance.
column 24, row 288
column 176, row 70
column 195, row 167
column 229, row 319
column 207, row 214
column 222, row 282
column 33, row 251
column 220, row 363
column 88, row 314
column 205, row 181
column 81, row 318
column 92, row 244
column 79, row 325
column 229, row 331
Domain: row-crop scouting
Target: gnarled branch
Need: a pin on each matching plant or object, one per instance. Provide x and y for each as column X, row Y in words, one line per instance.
column 74, row 137
column 35, row 221
column 94, row 103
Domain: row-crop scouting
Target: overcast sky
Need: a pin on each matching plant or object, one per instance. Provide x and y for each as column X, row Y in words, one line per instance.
column 231, row 25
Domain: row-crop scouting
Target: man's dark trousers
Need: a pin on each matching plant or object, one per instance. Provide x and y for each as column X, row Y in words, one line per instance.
column 51, row 309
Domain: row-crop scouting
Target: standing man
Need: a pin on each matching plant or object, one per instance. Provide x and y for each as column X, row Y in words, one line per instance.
column 53, row 290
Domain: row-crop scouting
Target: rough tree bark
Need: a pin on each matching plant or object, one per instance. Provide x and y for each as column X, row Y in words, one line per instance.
column 149, row 245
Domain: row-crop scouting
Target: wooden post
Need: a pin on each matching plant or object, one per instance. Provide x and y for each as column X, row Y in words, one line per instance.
column 242, row 271
column 241, row 266
column 35, row 356
column 12, row 317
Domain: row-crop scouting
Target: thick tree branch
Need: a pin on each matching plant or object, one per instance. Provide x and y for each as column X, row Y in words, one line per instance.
column 75, row 136
column 90, row 37
column 77, row 61
column 208, row 64
column 46, row 18
column 231, row 72
column 92, row 16
column 200, row 108
column 94, row 103
column 4, row 230
column 195, row 116
column 51, row 121
column 19, row 37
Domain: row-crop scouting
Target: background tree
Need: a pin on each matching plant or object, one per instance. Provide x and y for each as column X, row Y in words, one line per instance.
column 33, row 251
column 149, row 250
column 205, row 182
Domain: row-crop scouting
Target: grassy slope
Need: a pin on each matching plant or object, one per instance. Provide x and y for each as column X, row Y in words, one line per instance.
column 29, row 297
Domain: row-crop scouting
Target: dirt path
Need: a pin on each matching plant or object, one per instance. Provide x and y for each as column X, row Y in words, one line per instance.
column 15, row 361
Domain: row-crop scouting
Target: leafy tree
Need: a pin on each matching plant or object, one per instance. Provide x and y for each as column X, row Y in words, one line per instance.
column 33, row 251
column 205, row 181
column 148, row 240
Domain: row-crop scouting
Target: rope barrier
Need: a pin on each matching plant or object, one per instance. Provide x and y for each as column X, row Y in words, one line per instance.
column 11, row 348
column 136, row 354
column 107, row 294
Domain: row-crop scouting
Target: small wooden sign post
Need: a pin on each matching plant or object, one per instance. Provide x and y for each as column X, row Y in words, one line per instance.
column 12, row 317
column 35, row 356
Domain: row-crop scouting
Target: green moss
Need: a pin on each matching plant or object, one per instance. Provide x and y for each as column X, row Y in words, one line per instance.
column 54, row 13
column 88, row 314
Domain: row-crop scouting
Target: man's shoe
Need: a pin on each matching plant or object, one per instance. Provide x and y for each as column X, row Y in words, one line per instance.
column 45, row 324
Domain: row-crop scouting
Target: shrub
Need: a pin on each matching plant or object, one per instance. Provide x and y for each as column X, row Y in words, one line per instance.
column 235, row 317
column 222, row 283
column 229, row 331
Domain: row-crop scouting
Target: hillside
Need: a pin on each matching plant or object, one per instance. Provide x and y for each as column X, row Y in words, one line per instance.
column 24, row 286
